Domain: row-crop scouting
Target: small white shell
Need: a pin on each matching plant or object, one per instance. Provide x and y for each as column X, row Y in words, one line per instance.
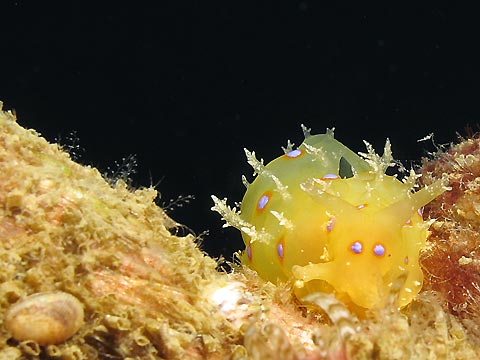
column 46, row 318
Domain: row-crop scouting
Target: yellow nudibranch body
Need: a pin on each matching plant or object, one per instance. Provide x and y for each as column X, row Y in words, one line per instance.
column 332, row 221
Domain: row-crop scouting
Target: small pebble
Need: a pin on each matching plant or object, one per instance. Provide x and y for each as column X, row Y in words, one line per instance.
column 47, row 318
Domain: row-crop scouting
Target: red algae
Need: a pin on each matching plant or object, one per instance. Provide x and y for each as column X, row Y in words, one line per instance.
column 451, row 260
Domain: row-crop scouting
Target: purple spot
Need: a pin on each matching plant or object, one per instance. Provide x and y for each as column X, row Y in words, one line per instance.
column 330, row 177
column 294, row 153
column 420, row 212
column 409, row 222
column 330, row 224
column 280, row 250
column 249, row 252
column 379, row 250
column 361, row 206
column 262, row 202
column 406, row 260
column 356, row 247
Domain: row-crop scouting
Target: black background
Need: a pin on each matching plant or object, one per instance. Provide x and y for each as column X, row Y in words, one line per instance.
column 185, row 85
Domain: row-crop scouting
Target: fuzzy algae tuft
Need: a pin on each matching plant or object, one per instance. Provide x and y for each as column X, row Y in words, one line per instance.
column 452, row 257
column 147, row 293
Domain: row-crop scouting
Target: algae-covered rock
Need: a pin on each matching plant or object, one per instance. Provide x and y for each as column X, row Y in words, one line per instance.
column 64, row 228
column 452, row 257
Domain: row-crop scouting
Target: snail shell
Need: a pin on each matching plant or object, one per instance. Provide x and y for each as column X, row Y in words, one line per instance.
column 46, row 318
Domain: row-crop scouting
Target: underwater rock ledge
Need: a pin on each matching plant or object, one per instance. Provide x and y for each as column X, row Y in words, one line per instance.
column 147, row 293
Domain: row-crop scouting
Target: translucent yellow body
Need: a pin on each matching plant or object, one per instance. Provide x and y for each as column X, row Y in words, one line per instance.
column 332, row 221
